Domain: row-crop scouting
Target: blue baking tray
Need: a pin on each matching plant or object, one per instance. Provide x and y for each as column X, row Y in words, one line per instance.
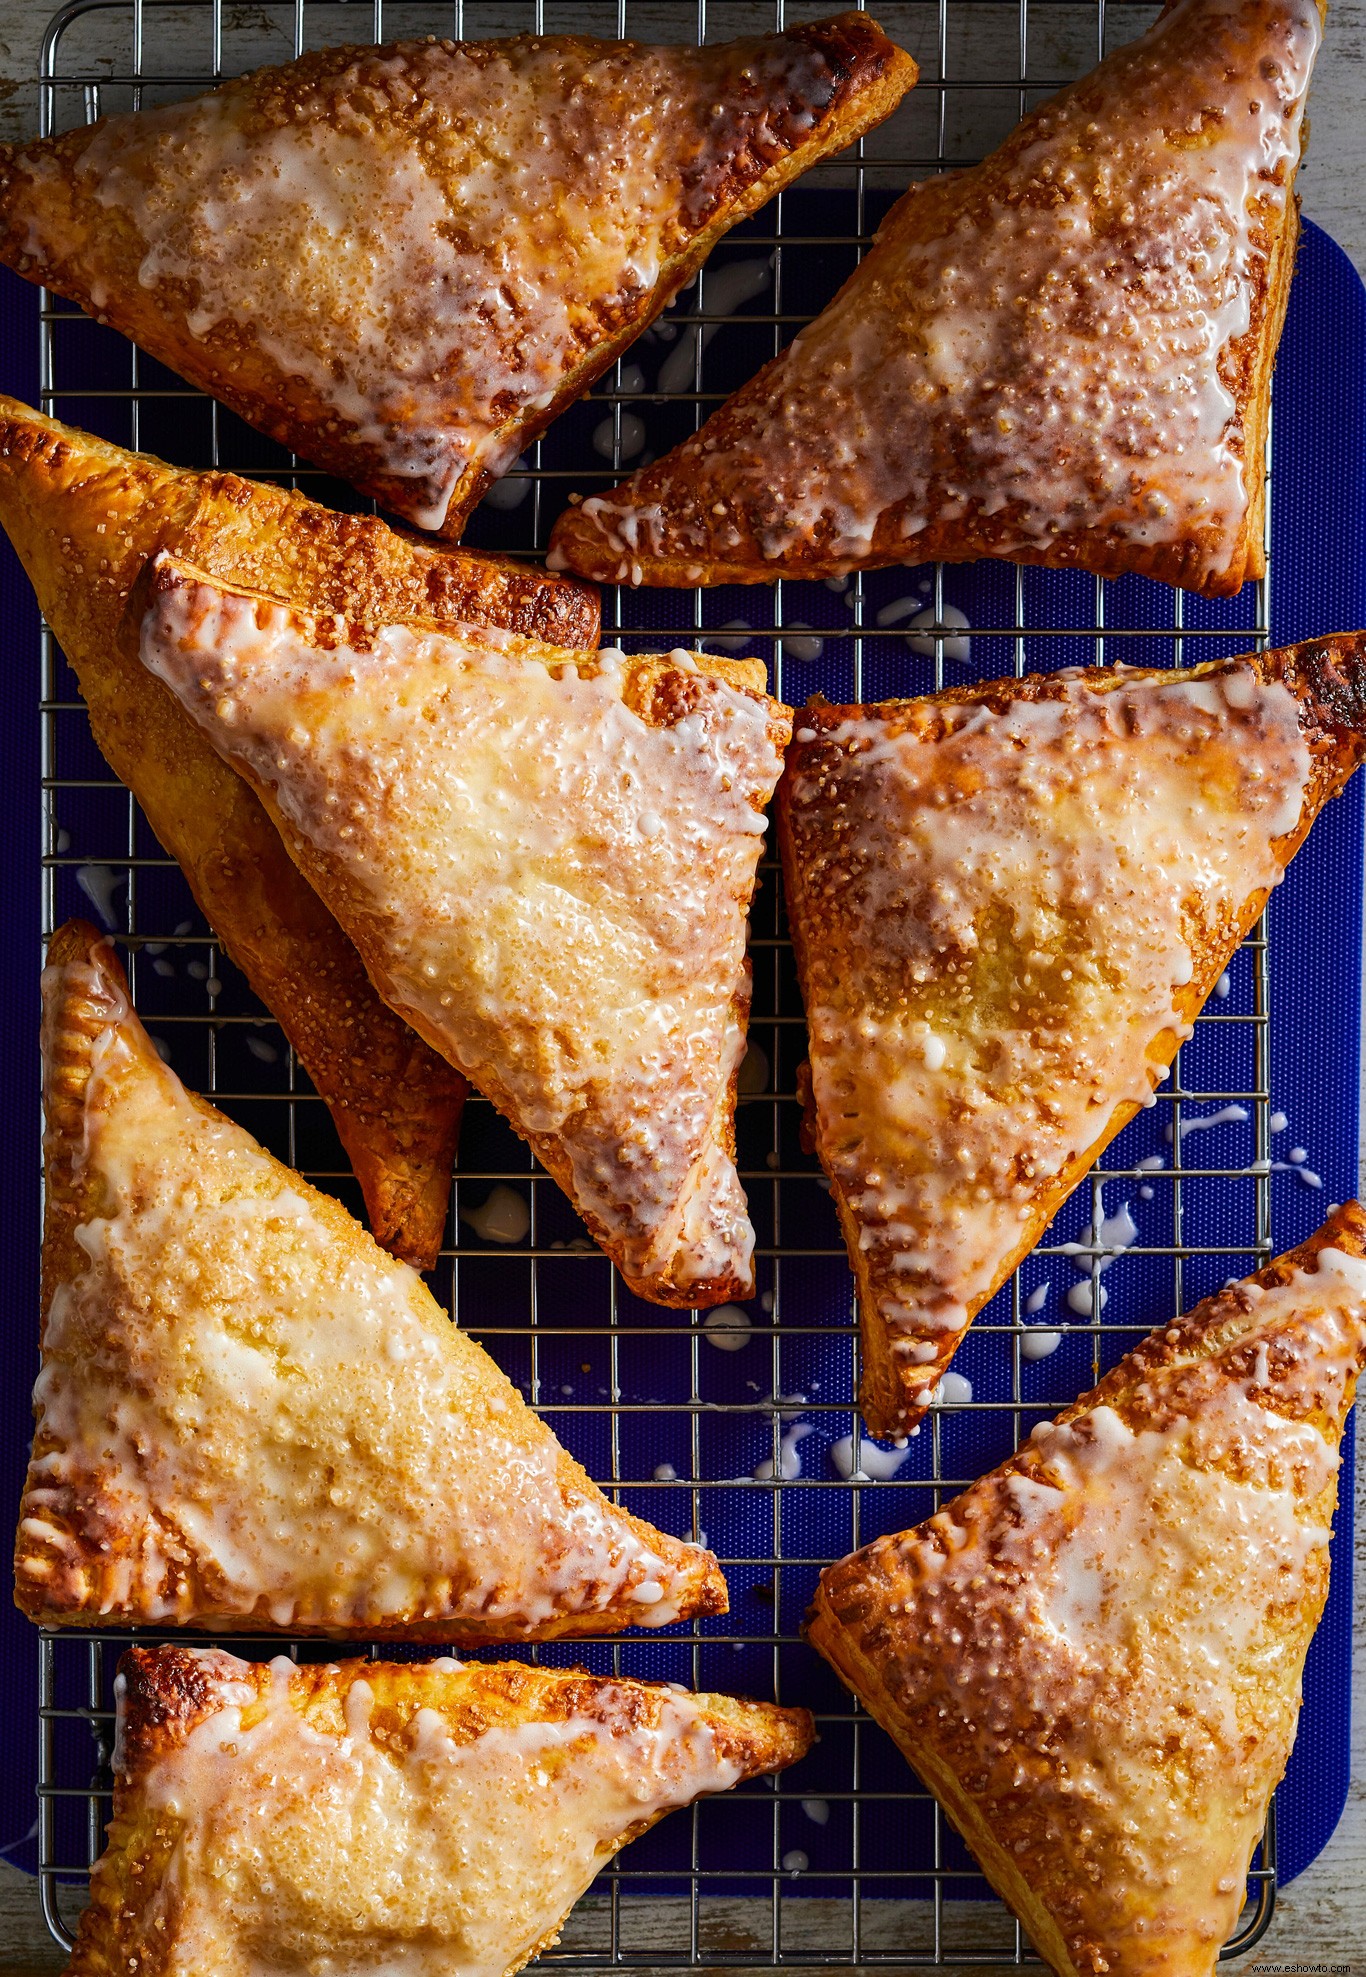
column 716, row 1434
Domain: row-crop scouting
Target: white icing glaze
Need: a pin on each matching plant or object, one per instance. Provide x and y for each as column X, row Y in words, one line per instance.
column 874, row 1464
column 952, row 1391
column 1306, row 1174
column 504, row 1217
column 233, row 1393
column 921, row 641
column 433, row 236
column 728, row 1327
column 1143, row 1532
column 723, row 291
column 476, row 805
column 430, row 1851
column 99, row 883
column 806, row 648
column 1019, row 889
column 1050, row 348
column 788, row 1465
column 1106, row 1240
column 1226, row 1115
column 1110, row 1640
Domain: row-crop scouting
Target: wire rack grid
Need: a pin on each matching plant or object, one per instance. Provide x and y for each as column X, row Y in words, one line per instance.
column 850, row 1862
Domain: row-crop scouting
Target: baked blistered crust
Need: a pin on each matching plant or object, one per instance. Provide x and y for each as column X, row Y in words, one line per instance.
column 250, row 1419
column 1062, row 356
column 370, row 1815
column 404, row 261
column 1009, row 902
column 1093, row 1657
column 85, row 516
column 546, row 863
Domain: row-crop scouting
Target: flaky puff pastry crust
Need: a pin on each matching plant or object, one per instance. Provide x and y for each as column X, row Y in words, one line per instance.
column 249, row 1418
column 546, row 862
column 1009, row 902
column 1062, row 356
column 1093, row 1657
column 404, row 261
column 365, row 1814
column 85, row 517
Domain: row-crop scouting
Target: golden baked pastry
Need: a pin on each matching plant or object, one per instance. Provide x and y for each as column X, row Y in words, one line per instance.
column 546, row 863
column 249, row 1418
column 1062, row 356
column 435, row 1817
column 84, row 517
column 404, row 261
column 1093, row 1657
column 1008, row 903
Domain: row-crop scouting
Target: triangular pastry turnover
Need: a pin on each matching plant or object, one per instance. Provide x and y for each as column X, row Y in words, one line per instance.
column 84, row 517
column 546, row 862
column 1061, row 356
column 435, row 1817
column 1093, row 1658
column 1009, row 901
column 404, row 261
column 250, row 1418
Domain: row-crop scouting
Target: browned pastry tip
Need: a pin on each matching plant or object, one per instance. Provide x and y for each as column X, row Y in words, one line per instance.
column 1018, row 976
column 389, row 287
column 166, row 1692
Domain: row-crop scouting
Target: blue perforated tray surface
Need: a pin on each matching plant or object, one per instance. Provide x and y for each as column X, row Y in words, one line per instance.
column 720, row 1423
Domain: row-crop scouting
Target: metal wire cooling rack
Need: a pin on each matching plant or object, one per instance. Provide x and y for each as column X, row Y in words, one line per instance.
column 845, row 1861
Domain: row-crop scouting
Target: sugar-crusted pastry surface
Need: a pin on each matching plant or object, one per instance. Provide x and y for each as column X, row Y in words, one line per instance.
column 85, row 517
column 1094, row 1656
column 366, row 1815
column 403, row 260
column 1062, row 356
column 546, row 863
column 249, row 1417
column 1009, row 903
